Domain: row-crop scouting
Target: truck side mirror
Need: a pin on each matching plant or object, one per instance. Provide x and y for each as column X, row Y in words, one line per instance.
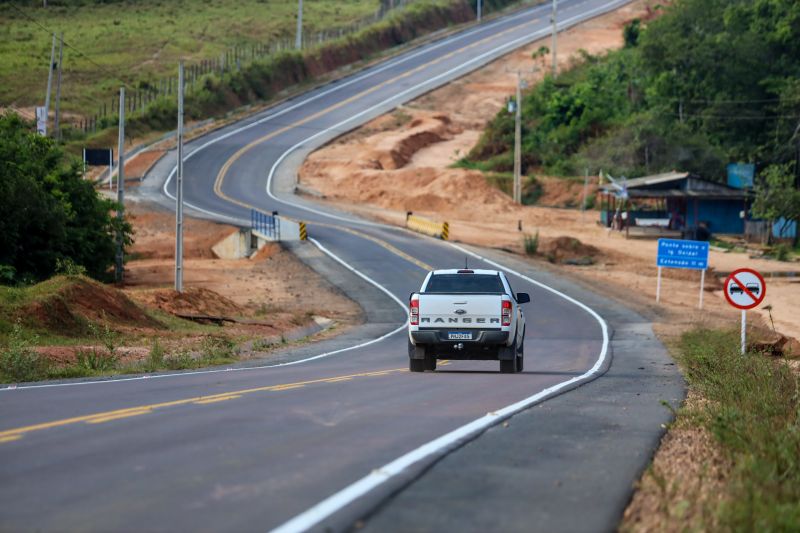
column 523, row 297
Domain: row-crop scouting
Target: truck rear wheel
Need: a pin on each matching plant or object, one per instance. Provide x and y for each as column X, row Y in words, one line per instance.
column 430, row 362
column 416, row 365
column 509, row 358
column 508, row 366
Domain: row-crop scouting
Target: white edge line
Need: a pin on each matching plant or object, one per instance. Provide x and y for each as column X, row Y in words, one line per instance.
column 500, row 49
column 372, row 71
column 377, row 477
column 243, row 369
column 344, row 497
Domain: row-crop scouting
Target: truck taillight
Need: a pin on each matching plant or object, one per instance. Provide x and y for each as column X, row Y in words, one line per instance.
column 414, row 317
column 506, row 313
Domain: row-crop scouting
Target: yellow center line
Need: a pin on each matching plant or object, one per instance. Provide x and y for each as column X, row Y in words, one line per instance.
column 102, row 419
column 239, row 153
column 384, row 244
column 287, row 387
column 217, row 399
column 106, row 416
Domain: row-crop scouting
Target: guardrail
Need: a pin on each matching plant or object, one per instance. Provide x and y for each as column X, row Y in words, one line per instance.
column 427, row 227
column 269, row 226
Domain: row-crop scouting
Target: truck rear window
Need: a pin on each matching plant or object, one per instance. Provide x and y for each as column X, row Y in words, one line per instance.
column 465, row 283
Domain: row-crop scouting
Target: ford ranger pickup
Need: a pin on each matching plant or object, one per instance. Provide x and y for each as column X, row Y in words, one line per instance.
column 466, row 314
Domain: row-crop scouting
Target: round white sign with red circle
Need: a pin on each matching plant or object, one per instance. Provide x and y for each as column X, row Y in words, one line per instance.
column 745, row 288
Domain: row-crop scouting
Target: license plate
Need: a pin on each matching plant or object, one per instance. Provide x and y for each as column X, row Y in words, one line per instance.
column 459, row 336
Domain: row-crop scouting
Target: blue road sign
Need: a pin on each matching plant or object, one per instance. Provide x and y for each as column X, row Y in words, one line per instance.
column 677, row 253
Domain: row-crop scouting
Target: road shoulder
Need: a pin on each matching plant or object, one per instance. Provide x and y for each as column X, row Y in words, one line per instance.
column 576, row 456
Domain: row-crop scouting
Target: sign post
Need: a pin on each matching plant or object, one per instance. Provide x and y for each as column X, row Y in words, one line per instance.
column 677, row 253
column 745, row 289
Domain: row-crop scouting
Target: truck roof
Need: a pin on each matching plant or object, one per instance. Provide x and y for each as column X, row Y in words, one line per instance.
column 466, row 271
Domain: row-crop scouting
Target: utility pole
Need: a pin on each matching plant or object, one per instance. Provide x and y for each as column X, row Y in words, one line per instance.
column 480, row 9
column 56, row 124
column 521, row 84
column 554, row 20
column 298, row 42
column 49, row 83
column 585, row 191
column 179, row 190
column 517, row 190
column 118, row 266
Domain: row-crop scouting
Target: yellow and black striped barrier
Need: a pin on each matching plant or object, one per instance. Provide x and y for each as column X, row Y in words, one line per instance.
column 303, row 231
column 428, row 227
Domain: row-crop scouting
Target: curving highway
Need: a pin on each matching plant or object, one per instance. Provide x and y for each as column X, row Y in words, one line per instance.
column 339, row 431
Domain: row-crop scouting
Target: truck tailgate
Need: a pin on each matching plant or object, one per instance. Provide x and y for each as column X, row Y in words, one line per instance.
column 459, row 311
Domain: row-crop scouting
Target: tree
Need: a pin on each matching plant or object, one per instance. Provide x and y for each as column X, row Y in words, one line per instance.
column 777, row 198
column 50, row 213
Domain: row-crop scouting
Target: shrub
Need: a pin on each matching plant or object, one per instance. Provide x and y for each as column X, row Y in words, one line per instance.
column 94, row 360
column 531, row 243
column 18, row 361
column 155, row 359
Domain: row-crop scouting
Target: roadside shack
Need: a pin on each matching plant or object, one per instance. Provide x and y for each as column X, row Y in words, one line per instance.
column 674, row 205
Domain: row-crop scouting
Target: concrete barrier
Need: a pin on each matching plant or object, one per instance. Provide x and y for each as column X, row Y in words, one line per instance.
column 427, row 226
column 293, row 230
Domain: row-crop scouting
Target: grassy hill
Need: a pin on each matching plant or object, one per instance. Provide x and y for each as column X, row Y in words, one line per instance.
column 135, row 41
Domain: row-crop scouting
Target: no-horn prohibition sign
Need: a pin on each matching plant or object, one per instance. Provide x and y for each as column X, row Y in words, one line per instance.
column 745, row 288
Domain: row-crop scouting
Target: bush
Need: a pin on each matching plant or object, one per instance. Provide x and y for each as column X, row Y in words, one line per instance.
column 18, row 361
column 531, row 243
column 52, row 217
column 156, row 357
column 94, row 360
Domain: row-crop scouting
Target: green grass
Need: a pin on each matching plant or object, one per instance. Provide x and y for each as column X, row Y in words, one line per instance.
column 142, row 40
column 753, row 411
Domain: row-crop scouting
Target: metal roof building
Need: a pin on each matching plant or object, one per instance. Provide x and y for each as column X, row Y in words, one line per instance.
column 677, row 202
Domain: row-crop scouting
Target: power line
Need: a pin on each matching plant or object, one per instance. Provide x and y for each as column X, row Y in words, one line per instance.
column 72, row 47
column 739, row 117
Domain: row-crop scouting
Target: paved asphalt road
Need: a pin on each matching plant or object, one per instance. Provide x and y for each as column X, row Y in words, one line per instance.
column 298, row 445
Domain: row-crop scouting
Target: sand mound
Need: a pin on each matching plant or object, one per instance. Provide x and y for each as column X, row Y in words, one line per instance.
column 194, row 301
column 375, row 169
column 569, row 250
column 66, row 304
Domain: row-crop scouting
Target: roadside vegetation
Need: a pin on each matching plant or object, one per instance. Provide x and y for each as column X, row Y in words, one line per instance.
column 750, row 406
column 174, row 31
column 53, row 220
column 72, row 326
column 707, row 83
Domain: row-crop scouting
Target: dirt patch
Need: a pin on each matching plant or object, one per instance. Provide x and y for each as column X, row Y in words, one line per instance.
column 688, row 474
column 154, row 233
column 70, row 303
column 569, row 250
column 194, row 301
column 559, row 192
column 138, row 166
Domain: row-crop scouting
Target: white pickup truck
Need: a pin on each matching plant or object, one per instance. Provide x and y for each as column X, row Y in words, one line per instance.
column 466, row 314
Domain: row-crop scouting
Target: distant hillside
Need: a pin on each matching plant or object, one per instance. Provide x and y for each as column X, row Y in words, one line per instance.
column 707, row 83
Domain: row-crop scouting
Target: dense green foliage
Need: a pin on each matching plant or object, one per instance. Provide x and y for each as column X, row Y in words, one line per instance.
column 753, row 411
column 710, row 81
column 778, row 197
column 52, row 217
